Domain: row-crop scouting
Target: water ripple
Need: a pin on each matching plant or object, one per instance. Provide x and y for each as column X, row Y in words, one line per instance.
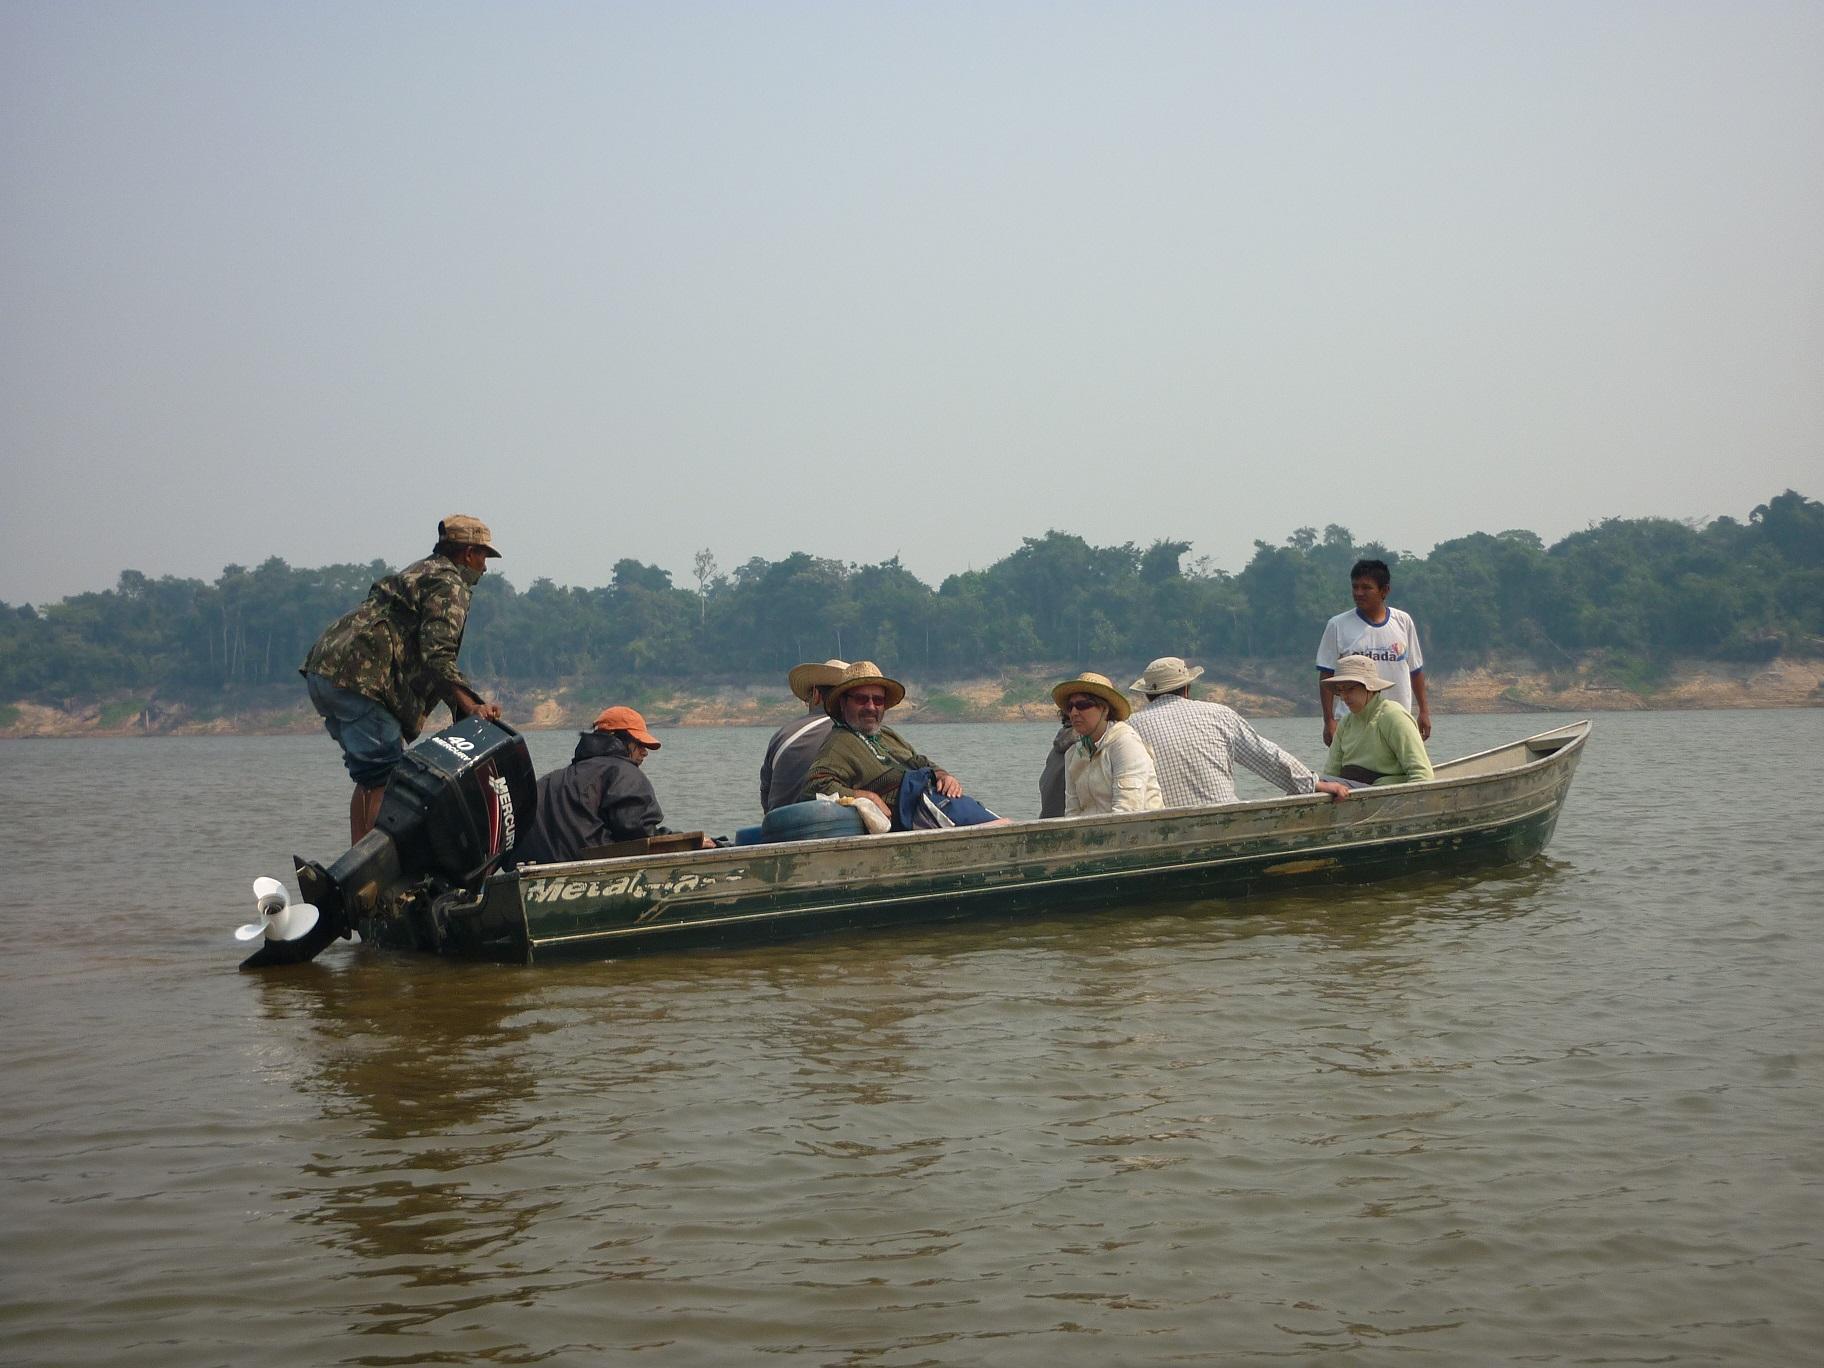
column 1564, row 1113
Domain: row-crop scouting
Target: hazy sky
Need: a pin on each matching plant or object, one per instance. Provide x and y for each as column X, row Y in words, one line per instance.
column 861, row 279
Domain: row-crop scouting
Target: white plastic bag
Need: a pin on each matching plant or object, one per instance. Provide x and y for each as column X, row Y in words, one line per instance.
column 876, row 821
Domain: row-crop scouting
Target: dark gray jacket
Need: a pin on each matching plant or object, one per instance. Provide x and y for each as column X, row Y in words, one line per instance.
column 1051, row 778
column 788, row 759
column 599, row 797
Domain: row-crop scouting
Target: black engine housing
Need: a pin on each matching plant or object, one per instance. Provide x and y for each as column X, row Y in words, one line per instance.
column 454, row 806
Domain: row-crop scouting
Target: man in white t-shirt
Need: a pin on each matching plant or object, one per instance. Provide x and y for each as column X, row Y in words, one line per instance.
column 1386, row 635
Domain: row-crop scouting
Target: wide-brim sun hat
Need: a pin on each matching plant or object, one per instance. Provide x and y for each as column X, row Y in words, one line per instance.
column 861, row 672
column 811, row 675
column 1166, row 675
column 1098, row 686
column 1359, row 669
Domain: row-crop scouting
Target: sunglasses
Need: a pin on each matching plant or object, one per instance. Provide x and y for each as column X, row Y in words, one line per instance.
column 1083, row 704
column 868, row 700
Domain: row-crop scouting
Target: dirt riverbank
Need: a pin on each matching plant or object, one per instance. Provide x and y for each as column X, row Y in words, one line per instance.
column 1258, row 691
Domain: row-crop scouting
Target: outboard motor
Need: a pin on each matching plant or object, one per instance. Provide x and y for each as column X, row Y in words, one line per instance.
column 456, row 803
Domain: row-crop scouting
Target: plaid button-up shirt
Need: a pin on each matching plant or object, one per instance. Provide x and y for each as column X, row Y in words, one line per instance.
column 1196, row 747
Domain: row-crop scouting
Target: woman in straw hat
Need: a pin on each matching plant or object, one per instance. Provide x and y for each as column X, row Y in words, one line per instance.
column 1109, row 769
column 867, row 760
column 1378, row 743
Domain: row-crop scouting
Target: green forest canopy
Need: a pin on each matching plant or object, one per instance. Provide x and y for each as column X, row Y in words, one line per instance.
column 1644, row 589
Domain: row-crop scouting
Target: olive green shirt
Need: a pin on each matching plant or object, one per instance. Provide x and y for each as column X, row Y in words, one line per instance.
column 1382, row 738
column 398, row 646
column 847, row 764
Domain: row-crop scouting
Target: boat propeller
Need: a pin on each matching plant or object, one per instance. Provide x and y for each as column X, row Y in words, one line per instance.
column 280, row 918
column 453, row 808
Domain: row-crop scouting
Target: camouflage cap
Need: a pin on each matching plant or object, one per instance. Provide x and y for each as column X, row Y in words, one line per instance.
column 463, row 530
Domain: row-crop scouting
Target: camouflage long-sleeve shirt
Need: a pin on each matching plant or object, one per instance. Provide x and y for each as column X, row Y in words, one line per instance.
column 398, row 645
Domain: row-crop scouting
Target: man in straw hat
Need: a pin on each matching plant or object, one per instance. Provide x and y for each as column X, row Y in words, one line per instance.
column 795, row 745
column 1197, row 745
column 865, row 759
column 1109, row 768
column 1378, row 742
column 600, row 797
column 379, row 669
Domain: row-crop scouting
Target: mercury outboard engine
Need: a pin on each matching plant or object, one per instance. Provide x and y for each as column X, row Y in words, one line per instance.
column 454, row 806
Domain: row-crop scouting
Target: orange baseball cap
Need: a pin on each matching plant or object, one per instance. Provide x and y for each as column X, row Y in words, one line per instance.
column 629, row 721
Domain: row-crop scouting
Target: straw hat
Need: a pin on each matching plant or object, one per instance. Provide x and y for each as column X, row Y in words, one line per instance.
column 1359, row 669
column 1100, row 686
column 861, row 672
column 1166, row 675
column 811, row 675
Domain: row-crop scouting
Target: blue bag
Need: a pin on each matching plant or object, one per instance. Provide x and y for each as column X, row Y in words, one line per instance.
column 923, row 808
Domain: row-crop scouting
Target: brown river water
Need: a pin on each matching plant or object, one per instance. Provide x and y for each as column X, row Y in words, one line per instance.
column 1567, row 1112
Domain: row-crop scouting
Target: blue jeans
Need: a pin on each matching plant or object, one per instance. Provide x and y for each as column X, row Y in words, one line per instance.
column 369, row 735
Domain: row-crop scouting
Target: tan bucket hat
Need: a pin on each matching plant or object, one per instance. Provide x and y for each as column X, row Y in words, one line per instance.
column 861, row 672
column 463, row 530
column 1102, row 687
column 811, row 675
column 1166, row 675
column 1359, row 669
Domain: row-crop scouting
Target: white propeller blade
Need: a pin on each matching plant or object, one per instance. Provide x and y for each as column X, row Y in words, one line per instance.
column 280, row 918
column 293, row 922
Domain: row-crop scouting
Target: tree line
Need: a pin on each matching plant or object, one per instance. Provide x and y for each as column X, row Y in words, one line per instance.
column 1643, row 589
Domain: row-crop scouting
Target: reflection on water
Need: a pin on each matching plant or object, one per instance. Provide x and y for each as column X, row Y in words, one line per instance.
column 1564, row 1112
column 429, row 1082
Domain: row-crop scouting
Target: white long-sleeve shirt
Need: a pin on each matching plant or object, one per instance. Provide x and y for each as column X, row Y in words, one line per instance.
column 1114, row 774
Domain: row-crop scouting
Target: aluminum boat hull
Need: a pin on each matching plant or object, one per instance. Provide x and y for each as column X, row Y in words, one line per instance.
column 1489, row 809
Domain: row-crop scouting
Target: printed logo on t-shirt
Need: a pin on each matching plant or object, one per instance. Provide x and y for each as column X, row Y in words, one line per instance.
column 1392, row 654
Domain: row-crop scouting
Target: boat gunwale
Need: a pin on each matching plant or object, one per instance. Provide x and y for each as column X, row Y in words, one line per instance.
column 1581, row 729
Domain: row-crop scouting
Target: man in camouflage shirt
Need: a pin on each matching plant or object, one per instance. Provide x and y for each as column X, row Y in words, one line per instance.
column 379, row 669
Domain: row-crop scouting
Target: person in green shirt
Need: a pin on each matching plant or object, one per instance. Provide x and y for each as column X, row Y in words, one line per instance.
column 1378, row 743
column 864, row 758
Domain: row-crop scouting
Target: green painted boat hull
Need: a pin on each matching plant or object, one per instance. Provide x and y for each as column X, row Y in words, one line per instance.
column 1486, row 810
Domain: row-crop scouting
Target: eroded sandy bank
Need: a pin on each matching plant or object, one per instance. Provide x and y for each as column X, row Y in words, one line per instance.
column 1284, row 691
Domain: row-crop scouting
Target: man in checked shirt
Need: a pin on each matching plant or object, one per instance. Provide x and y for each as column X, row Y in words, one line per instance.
column 1196, row 746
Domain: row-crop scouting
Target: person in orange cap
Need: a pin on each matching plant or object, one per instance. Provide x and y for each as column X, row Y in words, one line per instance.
column 600, row 797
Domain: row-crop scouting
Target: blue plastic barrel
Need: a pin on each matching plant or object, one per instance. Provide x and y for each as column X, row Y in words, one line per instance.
column 810, row 822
